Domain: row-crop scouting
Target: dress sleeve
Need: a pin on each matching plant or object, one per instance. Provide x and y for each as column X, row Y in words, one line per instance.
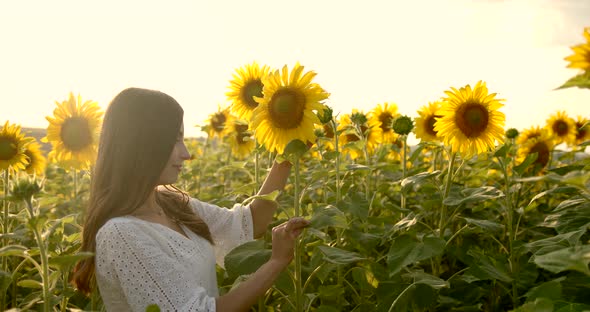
column 229, row 227
column 145, row 273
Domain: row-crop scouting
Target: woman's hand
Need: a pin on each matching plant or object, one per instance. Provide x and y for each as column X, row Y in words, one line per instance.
column 284, row 238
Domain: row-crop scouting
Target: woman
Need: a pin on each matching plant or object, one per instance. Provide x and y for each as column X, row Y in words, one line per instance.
column 155, row 245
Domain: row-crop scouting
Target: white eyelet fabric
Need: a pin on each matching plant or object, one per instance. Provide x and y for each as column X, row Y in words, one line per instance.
column 139, row 263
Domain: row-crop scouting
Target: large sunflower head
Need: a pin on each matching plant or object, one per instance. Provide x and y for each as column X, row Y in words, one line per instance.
column 380, row 119
column 74, row 131
column 288, row 109
column 471, row 122
column 424, row 128
column 240, row 137
column 562, row 128
column 582, row 130
column 542, row 145
column 581, row 57
column 37, row 161
column 245, row 86
column 216, row 122
column 13, row 145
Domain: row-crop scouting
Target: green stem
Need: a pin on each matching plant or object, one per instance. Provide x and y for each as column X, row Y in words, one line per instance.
column 5, row 231
column 298, row 288
column 337, row 149
column 405, row 141
column 75, row 184
column 511, row 234
column 448, row 183
column 44, row 259
column 256, row 167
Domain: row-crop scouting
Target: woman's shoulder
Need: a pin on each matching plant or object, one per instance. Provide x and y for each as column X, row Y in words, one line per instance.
column 119, row 226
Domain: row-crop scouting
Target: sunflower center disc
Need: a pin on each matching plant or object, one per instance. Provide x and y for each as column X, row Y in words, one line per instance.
column 430, row 125
column 250, row 90
column 7, row 149
column 560, row 127
column 472, row 119
column 328, row 131
column 385, row 120
column 286, row 109
column 75, row 133
column 581, row 132
column 218, row 122
column 542, row 151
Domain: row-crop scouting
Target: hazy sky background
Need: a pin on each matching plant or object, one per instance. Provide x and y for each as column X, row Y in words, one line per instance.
column 365, row 52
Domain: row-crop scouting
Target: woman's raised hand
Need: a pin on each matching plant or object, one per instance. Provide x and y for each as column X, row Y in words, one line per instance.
column 284, row 237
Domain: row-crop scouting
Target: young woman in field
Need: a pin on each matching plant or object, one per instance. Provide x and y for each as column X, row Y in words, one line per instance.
column 154, row 244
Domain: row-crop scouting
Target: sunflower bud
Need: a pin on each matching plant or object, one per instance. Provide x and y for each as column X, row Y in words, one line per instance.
column 511, row 133
column 319, row 132
column 358, row 118
column 402, row 125
column 25, row 189
column 325, row 116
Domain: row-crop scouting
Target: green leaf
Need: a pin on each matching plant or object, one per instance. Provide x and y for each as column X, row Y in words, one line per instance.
column 415, row 181
column 419, row 277
column 566, row 169
column 28, row 283
column 295, row 149
column 152, row 308
column 484, row 266
column 246, row 258
column 356, row 167
column 501, row 152
column 550, row 290
column 328, row 216
column 339, row 256
column 571, row 307
column 581, row 81
column 66, row 261
column 539, row 305
column 468, row 195
column 272, row 196
column 5, row 280
column 406, row 250
column 486, row 225
column 572, row 258
column 530, row 159
column 13, row 250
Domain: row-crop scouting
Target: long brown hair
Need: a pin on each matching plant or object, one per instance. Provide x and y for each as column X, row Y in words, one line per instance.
column 138, row 135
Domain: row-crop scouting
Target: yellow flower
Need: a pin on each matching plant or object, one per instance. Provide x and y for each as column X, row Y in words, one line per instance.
column 581, row 57
column 471, row 122
column 246, row 85
column 12, row 147
column 542, row 145
column 350, row 135
column 216, row 122
column 36, row 159
column 562, row 128
column 582, row 133
column 530, row 133
column 380, row 119
column 74, row 131
column 424, row 129
column 286, row 112
column 240, row 138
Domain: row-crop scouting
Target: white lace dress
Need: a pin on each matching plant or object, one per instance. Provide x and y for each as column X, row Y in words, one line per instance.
column 139, row 263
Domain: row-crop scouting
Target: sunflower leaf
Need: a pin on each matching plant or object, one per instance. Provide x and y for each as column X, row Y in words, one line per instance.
column 295, row 149
column 581, row 81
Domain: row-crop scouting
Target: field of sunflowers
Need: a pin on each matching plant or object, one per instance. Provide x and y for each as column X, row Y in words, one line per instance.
column 475, row 217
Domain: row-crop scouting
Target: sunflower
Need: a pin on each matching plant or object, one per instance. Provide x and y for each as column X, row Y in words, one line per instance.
column 37, row 161
column 74, row 131
column 470, row 120
column 12, row 147
column 581, row 57
column 582, row 130
column 240, row 137
column 246, row 85
column 424, row 129
column 349, row 134
column 380, row 119
column 216, row 122
column 542, row 145
column 286, row 112
column 530, row 133
column 562, row 128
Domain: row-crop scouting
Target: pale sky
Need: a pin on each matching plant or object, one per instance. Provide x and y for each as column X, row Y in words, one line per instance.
column 365, row 52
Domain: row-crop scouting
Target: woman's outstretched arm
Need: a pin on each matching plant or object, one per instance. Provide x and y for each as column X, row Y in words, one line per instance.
column 263, row 210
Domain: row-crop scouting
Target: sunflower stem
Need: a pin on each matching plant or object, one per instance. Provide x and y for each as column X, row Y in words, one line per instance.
column 5, row 231
column 75, row 183
column 337, row 149
column 447, row 190
column 256, row 167
column 43, row 254
column 404, row 151
column 298, row 289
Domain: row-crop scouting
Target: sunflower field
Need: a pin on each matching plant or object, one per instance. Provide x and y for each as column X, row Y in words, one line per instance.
column 474, row 217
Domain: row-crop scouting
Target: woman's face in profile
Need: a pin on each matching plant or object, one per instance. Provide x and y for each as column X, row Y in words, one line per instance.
column 177, row 157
